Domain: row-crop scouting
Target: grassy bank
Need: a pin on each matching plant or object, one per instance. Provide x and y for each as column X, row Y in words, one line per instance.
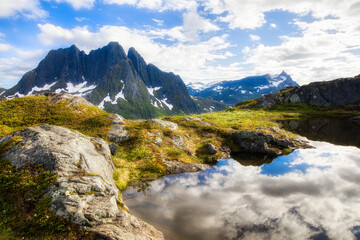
column 138, row 160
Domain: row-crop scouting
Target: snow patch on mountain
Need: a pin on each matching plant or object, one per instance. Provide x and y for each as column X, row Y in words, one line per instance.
column 46, row 87
column 80, row 89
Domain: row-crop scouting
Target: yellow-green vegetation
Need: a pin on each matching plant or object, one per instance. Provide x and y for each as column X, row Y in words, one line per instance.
column 6, row 146
column 20, row 113
column 138, row 160
column 25, row 209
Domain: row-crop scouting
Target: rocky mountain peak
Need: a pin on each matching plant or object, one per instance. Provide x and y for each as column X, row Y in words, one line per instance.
column 110, row 79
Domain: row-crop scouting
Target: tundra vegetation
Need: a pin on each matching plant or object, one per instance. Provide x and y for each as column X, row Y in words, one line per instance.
column 25, row 210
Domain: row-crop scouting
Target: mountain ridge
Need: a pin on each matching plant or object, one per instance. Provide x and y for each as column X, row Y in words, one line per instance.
column 111, row 79
column 233, row 91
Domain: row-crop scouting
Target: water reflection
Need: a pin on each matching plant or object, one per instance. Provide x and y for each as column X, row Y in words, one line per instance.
column 309, row 194
column 337, row 131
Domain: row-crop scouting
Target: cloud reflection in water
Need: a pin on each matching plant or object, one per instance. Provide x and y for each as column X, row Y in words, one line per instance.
column 309, row 194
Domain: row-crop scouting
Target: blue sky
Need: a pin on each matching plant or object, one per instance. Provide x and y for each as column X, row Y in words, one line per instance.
column 200, row 40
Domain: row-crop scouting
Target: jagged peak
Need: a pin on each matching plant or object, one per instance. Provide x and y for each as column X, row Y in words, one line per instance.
column 132, row 53
column 113, row 44
column 74, row 47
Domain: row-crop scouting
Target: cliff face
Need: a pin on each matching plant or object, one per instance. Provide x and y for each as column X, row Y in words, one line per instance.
column 344, row 92
column 111, row 79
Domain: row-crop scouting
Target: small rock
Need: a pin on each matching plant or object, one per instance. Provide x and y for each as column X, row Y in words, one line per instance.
column 211, row 149
column 165, row 124
column 178, row 140
column 355, row 118
column 197, row 119
column 180, row 144
column 179, row 167
column 193, row 118
column 113, row 149
column 118, row 134
column 117, row 119
column 158, row 141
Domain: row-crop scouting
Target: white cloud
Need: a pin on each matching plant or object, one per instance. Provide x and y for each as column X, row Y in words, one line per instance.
column 16, row 63
column 121, row 2
column 78, row 4
column 254, row 37
column 28, row 8
column 158, row 5
column 193, row 23
column 273, row 25
column 158, row 22
column 323, row 52
column 80, row 19
column 4, row 47
column 249, row 14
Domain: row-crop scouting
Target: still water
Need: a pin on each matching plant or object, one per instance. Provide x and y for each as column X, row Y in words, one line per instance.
column 308, row 194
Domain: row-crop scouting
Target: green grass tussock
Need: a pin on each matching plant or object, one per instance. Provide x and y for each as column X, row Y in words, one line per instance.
column 20, row 113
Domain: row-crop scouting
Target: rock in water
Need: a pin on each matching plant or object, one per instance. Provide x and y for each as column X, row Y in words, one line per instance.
column 85, row 192
column 273, row 143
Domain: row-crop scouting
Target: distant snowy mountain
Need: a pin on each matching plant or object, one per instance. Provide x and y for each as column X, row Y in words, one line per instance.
column 232, row 92
column 113, row 80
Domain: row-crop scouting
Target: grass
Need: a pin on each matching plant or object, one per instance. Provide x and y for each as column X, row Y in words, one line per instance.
column 138, row 160
column 24, row 112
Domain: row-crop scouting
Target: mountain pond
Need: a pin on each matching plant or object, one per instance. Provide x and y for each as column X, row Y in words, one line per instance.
column 308, row 194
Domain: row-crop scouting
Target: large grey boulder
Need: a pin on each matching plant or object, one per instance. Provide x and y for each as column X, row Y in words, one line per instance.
column 165, row 124
column 275, row 142
column 84, row 192
column 118, row 134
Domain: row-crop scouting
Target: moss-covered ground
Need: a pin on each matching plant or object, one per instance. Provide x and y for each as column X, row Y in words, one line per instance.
column 138, row 160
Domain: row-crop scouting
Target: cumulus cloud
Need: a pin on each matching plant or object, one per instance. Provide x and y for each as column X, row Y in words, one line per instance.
column 78, row 4
column 254, row 37
column 158, row 5
column 158, row 22
column 232, row 201
column 252, row 12
column 15, row 62
column 322, row 52
column 193, row 23
column 28, row 8
column 273, row 25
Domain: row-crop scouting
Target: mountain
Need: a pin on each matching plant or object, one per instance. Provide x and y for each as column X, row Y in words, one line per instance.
column 248, row 88
column 343, row 92
column 2, row 91
column 111, row 79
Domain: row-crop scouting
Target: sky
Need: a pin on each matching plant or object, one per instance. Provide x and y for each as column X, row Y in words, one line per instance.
column 202, row 41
